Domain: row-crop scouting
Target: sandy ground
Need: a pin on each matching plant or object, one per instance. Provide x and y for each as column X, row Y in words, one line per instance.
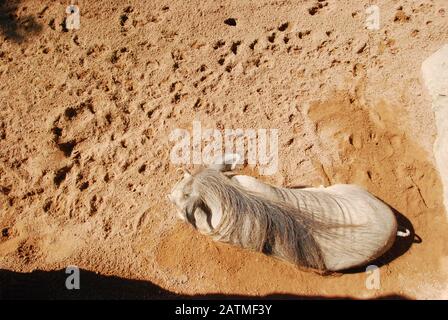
column 86, row 114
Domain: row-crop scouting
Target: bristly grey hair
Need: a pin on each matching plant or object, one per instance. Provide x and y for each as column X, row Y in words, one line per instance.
column 323, row 229
column 254, row 222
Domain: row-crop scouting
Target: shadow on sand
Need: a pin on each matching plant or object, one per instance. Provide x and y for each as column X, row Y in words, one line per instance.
column 15, row 27
column 49, row 285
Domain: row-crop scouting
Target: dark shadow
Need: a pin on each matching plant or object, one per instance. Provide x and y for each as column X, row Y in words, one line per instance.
column 13, row 26
column 299, row 186
column 400, row 246
column 50, row 285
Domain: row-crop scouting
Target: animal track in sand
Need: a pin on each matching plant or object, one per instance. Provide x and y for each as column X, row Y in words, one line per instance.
column 317, row 7
column 28, row 251
column 60, row 174
column 70, row 114
column 125, row 15
column 401, row 16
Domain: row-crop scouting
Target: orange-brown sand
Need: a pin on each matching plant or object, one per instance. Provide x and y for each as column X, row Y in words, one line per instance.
column 85, row 118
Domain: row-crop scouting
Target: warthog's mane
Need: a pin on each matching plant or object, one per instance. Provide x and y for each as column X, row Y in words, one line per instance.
column 252, row 221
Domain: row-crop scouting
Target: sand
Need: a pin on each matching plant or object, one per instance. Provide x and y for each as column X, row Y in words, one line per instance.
column 86, row 115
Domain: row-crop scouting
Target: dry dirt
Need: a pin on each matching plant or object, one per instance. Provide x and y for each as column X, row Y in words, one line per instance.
column 86, row 114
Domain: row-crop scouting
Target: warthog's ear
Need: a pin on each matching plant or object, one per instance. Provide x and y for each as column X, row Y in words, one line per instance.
column 184, row 171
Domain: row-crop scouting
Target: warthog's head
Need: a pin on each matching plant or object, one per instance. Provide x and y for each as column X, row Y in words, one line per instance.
column 185, row 197
column 181, row 195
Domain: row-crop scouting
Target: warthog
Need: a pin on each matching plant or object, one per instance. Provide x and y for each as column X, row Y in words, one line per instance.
column 323, row 229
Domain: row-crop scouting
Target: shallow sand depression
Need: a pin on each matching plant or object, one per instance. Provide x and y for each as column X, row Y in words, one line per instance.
column 86, row 116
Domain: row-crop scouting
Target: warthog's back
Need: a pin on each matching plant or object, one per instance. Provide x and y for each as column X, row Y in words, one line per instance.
column 366, row 227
